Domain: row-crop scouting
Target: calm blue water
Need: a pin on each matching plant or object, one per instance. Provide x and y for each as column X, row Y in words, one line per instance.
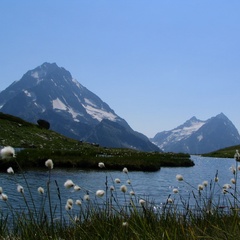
column 154, row 185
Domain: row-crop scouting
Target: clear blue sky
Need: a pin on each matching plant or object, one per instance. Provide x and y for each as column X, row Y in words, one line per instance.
column 156, row 63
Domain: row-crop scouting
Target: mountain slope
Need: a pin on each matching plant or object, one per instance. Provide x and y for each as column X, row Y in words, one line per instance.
column 197, row 137
column 50, row 92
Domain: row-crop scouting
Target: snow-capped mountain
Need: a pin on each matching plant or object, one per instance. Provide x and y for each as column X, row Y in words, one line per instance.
column 50, row 92
column 196, row 136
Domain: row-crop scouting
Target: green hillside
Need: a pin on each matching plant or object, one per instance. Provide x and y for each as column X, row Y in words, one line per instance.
column 223, row 153
column 39, row 144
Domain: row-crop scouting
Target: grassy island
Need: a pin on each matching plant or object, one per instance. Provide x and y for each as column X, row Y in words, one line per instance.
column 39, row 144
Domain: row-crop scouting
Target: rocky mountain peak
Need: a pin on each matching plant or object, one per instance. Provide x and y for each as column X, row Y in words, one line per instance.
column 49, row 92
column 196, row 136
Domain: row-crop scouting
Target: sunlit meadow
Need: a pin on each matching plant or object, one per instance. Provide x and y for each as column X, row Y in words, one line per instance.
column 117, row 211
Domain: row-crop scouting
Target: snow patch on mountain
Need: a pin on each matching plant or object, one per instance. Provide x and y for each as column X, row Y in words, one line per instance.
column 88, row 102
column 35, row 75
column 77, row 83
column 99, row 114
column 180, row 133
column 58, row 104
column 74, row 114
column 27, row 93
column 185, row 132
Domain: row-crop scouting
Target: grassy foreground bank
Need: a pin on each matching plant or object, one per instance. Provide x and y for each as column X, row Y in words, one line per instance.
column 102, row 215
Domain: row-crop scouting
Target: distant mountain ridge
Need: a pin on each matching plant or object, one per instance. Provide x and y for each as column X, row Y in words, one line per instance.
column 50, row 92
column 197, row 137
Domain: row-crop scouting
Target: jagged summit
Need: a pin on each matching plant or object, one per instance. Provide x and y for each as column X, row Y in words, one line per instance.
column 196, row 136
column 50, row 92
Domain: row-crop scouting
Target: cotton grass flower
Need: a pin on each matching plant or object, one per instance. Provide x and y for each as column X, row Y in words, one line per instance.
column 68, row 184
column 7, row 152
column 10, row 170
column 101, row 165
column 123, row 188
column 125, row 224
column 20, row 189
column 70, row 202
column 86, row 197
column 40, row 190
column 216, row 179
column 226, row 186
column 224, row 191
column 100, row 193
column 237, row 155
column 132, row 193
column 78, row 202
column 76, row 219
column 117, row 180
column 179, row 177
column 49, row 164
column 233, row 181
column 175, row 190
column 232, row 169
column 76, row 188
column 129, row 181
column 170, row 200
column 142, row 202
column 112, row 188
column 125, row 170
column 4, row 197
column 200, row 187
column 1, row 190
column 205, row 183
column 68, row 207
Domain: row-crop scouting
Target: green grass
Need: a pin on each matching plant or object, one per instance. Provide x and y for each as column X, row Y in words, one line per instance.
column 40, row 144
column 223, row 153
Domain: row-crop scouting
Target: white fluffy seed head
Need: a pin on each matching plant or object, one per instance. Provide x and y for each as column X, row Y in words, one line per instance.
column 123, row 188
column 205, row 183
column 86, row 197
column 125, row 224
column 101, row 165
column 76, row 188
column 179, row 177
column 233, row 181
column 40, row 190
column 69, row 183
column 132, row 193
column 20, row 189
column 70, row 202
column 142, row 202
column 68, row 207
column 125, row 170
column 10, row 170
column 175, row 190
column 7, row 152
column 49, row 164
column 100, row 193
column 78, row 202
column 117, row 180
column 4, row 197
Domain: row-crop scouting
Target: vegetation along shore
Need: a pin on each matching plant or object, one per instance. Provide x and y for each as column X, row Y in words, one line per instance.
column 38, row 144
